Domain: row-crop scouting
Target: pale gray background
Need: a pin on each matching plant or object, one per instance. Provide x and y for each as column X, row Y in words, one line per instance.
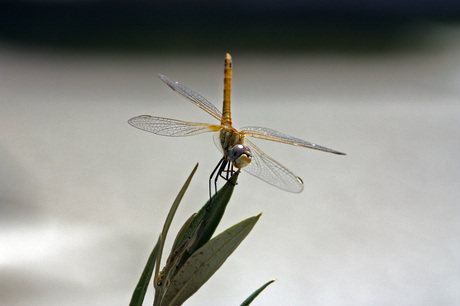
column 83, row 195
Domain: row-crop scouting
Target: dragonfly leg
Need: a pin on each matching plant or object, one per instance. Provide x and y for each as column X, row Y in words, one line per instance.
column 229, row 171
column 219, row 168
column 224, row 163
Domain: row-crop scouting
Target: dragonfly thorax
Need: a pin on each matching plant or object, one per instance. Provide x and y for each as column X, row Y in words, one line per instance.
column 240, row 155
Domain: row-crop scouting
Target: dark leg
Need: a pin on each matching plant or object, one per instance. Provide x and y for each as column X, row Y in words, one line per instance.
column 228, row 172
column 218, row 172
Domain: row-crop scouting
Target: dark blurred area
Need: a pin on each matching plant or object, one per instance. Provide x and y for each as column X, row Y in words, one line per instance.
column 267, row 26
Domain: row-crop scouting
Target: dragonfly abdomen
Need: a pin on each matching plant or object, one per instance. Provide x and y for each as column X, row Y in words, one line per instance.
column 226, row 113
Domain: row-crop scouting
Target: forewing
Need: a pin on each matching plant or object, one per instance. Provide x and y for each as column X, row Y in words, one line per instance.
column 171, row 127
column 269, row 134
column 272, row 172
column 194, row 97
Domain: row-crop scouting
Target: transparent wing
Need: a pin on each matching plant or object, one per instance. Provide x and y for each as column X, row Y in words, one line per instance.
column 194, row 97
column 272, row 172
column 269, row 134
column 171, row 127
column 216, row 139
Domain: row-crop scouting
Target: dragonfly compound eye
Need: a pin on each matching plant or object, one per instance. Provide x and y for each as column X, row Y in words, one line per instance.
column 240, row 155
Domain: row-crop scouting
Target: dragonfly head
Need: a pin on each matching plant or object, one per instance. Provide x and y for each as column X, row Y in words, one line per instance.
column 240, row 155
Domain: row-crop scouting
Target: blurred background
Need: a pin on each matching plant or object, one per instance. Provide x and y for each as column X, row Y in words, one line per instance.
column 83, row 195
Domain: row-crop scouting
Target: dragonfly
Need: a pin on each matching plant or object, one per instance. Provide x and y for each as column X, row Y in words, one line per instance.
column 238, row 151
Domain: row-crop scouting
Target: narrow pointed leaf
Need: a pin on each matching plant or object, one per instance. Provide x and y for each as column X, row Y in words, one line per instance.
column 199, row 231
column 205, row 262
column 158, row 277
column 182, row 232
column 256, row 293
column 139, row 292
column 169, row 219
column 207, row 219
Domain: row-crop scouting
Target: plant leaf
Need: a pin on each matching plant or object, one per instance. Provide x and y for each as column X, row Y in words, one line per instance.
column 159, row 276
column 207, row 219
column 256, row 293
column 139, row 292
column 182, row 232
column 199, row 231
column 205, row 262
column 169, row 218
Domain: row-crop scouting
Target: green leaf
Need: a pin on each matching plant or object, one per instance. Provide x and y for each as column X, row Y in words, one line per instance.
column 198, row 233
column 141, row 288
column 205, row 262
column 207, row 219
column 159, row 277
column 256, row 293
column 139, row 292
column 182, row 232
column 168, row 222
